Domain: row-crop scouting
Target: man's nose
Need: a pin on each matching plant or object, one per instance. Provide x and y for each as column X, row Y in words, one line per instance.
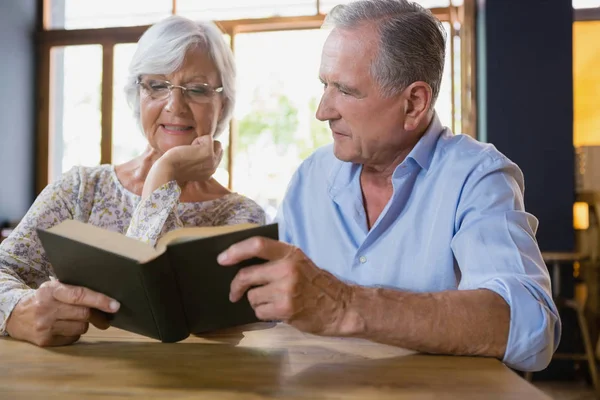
column 326, row 110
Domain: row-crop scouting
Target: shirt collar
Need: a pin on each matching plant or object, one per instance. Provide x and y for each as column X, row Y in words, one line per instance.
column 423, row 151
column 345, row 172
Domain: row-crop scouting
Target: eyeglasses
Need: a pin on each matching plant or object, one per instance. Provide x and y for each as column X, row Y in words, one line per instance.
column 195, row 92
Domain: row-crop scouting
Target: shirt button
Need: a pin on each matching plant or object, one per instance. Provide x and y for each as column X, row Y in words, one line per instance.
column 362, row 259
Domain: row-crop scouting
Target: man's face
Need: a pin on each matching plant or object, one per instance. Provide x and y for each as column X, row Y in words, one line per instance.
column 367, row 127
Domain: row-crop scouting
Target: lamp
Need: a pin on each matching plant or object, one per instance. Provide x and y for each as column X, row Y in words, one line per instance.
column 581, row 215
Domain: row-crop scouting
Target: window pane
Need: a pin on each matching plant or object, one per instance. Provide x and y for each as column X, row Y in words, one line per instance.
column 75, row 107
column 327, row 5
column 128, row 140
column 79, row 14
column 275, row 113
column 443, row 106
column 457, row 85
column 240, row 9
column 586, row 3
column 586, row 83
column 222, row 173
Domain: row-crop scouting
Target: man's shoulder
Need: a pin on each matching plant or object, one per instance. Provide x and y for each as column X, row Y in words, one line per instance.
column 319, row 163
column 466, row 151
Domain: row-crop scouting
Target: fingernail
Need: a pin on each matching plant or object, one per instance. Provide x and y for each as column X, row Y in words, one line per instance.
column 114, row 305
column 221, row 258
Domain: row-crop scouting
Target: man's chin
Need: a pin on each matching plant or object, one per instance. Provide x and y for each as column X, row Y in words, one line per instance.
column 341, row 153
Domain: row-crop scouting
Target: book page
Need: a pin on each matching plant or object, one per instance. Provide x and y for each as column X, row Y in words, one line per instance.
column 185, row 234
column 113, row 242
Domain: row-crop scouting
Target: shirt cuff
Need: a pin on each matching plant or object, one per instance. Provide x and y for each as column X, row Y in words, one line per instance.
column 535, row 326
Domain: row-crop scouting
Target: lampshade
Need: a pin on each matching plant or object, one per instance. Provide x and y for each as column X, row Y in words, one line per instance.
column 581, row 215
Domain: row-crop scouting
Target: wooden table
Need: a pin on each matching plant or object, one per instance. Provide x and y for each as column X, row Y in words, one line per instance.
column 260, row 361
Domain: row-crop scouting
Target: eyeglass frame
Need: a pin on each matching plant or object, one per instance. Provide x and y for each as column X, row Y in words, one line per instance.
column 184, row 90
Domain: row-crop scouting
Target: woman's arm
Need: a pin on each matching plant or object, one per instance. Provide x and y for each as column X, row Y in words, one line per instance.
column 23, row 262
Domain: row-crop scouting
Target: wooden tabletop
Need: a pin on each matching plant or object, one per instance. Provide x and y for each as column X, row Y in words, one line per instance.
column 260, row 361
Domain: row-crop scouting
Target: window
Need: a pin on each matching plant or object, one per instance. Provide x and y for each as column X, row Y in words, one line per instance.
column 75, row 109
column 276, row 125
column 277, row 45
column 127, row 138
column 81, row 14
column 586, row 83
column 244, row 9
column 586, row 3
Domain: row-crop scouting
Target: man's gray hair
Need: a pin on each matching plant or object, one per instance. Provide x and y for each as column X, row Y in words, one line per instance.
column 162, row 48
column 412, row 42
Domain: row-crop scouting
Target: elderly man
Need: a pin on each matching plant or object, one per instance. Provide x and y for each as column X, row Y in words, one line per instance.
column 401, row 232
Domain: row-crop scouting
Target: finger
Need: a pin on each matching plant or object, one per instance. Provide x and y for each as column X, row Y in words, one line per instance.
column 69, row 328
column 218, row 151
column 61, row 340
column 248, row 277
column 80, row 296
column 70, row 312
column 205, row 141
column 217, row 147
column 260, row 295
column 257, row 246
column 99, row 319
column 267, row 312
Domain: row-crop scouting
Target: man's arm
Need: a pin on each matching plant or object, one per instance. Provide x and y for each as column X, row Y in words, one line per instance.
column 291, row 288
column 469, row 322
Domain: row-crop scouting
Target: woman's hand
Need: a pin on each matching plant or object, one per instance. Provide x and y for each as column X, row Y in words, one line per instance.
column 196, row 162
column 58, row 314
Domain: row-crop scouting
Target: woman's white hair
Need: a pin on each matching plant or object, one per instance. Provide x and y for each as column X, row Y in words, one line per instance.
column 162, row 49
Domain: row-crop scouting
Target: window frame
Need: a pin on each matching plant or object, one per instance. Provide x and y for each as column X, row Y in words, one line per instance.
column 47, row 38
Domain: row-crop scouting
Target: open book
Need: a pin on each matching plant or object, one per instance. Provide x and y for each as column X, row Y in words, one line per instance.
column 165, row 292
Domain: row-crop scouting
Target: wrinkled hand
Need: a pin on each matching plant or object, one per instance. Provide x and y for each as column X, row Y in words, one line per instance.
column 196, row 162
column 289, row 287
column 58, row 314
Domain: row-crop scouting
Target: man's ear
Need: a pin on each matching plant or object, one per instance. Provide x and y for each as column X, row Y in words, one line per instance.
column 418, row 97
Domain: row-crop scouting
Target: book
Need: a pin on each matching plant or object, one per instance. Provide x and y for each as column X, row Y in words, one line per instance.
column 166, row 292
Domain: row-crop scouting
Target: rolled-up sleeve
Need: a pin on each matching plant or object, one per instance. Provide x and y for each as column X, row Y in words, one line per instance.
column 495, row 249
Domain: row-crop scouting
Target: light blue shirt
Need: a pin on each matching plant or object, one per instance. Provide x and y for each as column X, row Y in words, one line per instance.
column 455, row 220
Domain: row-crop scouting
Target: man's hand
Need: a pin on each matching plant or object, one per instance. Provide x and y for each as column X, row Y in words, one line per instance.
column 288, row 287
column 58, row 314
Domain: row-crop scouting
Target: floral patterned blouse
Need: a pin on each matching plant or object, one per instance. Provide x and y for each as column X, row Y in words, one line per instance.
column 95, row 195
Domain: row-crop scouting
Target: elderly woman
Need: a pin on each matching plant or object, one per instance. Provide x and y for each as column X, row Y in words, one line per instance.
column 181, row 87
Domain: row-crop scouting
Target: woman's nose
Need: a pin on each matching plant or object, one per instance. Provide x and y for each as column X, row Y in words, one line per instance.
column 176, row 102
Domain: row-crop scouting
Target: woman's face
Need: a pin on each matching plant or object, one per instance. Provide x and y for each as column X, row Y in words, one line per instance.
column 176, row 118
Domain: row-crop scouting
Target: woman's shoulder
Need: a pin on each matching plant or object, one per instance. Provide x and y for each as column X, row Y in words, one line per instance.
column 81, row 173
column 234, row 208
column 78, row 177
column 243, row 209
column 239, row 200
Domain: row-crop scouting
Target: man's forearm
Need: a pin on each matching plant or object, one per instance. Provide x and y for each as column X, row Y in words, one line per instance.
column 467, row 322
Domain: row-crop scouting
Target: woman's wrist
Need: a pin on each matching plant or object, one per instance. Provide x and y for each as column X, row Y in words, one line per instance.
column 161, row 173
